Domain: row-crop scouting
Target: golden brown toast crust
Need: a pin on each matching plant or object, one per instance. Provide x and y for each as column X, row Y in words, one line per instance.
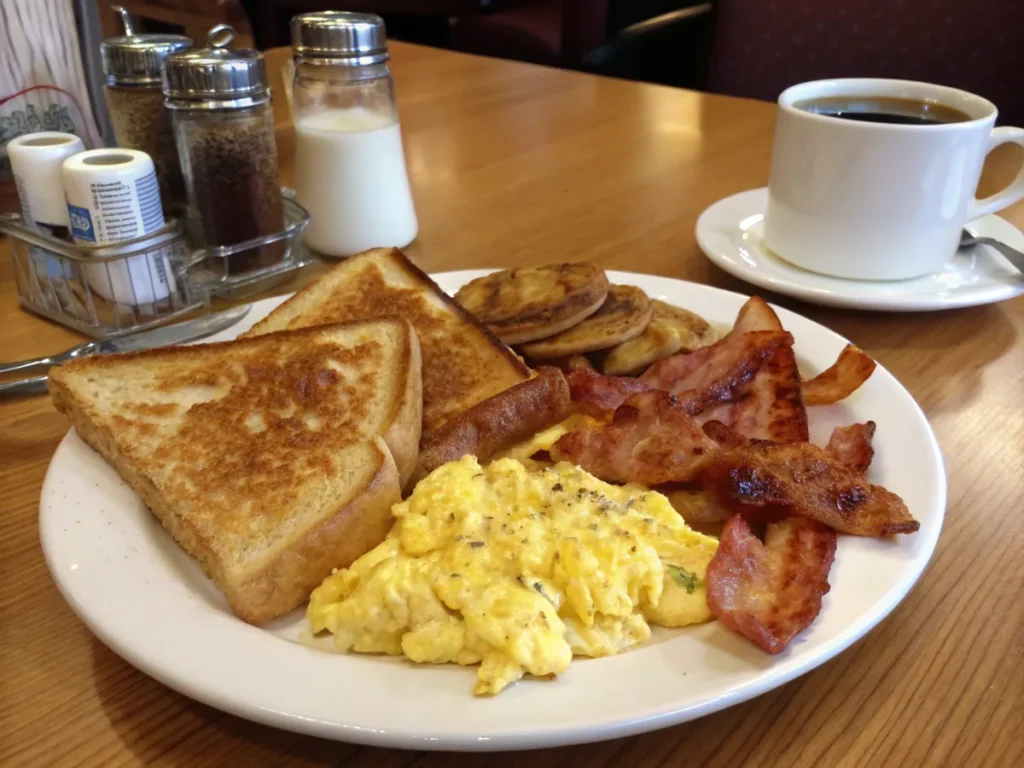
column 406, row 421
column 351, row 532
column 287, row 384
column 456, row 375
column 230, row 476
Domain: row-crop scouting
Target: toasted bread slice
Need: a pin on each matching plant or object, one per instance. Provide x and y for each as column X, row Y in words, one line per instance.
column 270, row 460
column 671, row 330
column 462, row 362
column 530, row 303
column 623, row 316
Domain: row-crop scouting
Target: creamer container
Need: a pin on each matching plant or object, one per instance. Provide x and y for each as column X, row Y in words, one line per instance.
column 113, row 196
column 350, row 169
column 133, row 65
column 224, row 127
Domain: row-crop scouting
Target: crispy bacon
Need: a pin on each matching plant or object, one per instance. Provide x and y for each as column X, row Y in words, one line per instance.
column 716, row 373
column 651, row 440
column 770, row 406
column 803, row 479
column 726, row 437
column 851, row 446
column 841, row 380
column 770, row 592
column 598, row 395
column 756, row 315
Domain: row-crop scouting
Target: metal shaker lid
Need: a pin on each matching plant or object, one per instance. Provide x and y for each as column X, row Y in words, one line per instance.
column 216, row 77
column 353, row 39
column 132, row 59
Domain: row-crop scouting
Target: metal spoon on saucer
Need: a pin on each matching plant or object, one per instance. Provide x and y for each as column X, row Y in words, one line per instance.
column 1015, row 257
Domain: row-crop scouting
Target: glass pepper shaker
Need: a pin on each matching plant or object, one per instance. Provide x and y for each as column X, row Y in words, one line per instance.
column 133, row 65
column 350, row 171
column 224, row 127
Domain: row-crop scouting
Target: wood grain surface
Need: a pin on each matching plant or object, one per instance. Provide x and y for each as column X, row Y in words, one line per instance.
column 513, row 165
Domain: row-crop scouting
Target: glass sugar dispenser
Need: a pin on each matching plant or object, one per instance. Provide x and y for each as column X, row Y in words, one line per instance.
column 133, row 64
column 350, row 171
column 223, row 121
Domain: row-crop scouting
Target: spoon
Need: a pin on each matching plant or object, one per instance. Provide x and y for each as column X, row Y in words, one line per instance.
column 1015, row 257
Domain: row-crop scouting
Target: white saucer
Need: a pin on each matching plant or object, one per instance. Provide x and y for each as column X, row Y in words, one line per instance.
column 730, row 232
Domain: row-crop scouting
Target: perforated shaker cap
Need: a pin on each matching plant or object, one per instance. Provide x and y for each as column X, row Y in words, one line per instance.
column 131, row 59
column 354, row 39
column 216, row 77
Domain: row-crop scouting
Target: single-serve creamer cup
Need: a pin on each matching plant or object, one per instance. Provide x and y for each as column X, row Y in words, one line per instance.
column 112, row 196
column 36, row 161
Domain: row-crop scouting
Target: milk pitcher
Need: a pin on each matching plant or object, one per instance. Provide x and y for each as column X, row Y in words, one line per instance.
column 350, row 169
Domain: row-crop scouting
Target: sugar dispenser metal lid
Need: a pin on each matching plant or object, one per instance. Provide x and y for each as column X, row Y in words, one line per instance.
column 354, row 39
column 132, row 59
column 216, row 77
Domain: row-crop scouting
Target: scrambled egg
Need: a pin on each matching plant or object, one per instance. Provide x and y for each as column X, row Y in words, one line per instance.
column 525, row 451
column 518, row 571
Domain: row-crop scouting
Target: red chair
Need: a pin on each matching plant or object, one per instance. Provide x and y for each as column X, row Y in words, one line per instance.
column 759, row 48
column 555, row 32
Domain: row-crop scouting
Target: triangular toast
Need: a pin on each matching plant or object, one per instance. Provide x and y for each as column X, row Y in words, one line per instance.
column 463, row 362
column 270, row 460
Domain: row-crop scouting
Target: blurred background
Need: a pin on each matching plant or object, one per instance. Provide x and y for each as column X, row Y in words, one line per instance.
column 752, row 48
column 51, row 78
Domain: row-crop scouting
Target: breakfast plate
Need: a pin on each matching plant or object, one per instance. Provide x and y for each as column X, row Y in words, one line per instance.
column 730, row 234
column 124, row 576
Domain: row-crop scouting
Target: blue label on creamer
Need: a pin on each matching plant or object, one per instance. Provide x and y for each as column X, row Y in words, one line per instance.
column 81, row 223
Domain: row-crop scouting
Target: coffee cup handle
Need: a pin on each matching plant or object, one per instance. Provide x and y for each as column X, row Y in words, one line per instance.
column 1014, row 191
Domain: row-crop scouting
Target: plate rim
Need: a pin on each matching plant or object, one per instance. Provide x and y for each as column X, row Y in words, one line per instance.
column 534, row 737
column 706, row 241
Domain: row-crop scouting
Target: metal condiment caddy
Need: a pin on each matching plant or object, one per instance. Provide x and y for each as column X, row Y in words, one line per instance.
column 137, row 284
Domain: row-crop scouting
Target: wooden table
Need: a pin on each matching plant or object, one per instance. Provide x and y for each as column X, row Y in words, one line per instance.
column 515, row 164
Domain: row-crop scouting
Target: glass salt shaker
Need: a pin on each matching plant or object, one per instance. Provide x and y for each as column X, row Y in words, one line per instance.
column 224, row 126
column 132, row 65
column 350, row 171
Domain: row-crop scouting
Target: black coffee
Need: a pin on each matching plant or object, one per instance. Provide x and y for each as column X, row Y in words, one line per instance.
column 882, row 109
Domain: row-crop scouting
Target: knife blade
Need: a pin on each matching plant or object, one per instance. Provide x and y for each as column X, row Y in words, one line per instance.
column 179, row 333
column 190, row 330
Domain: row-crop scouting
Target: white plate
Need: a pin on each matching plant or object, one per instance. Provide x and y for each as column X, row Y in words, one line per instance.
column 147, row 600
column 730, row 233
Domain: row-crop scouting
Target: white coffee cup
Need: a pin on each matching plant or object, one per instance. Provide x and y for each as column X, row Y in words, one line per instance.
column 873, row 200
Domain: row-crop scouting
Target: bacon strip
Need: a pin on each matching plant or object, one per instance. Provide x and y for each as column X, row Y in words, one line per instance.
column 801, row 478
column 770, row 592
column 770, row 407
column 598, row 395
column 716, row 373
column 651, row 440
column 756, row 315
column 851, row 446
column 841, row 380
column 490, row 426
column 726, row 437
